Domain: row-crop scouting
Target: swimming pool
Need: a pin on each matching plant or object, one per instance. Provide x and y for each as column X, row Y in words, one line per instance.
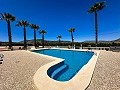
column 73, row 62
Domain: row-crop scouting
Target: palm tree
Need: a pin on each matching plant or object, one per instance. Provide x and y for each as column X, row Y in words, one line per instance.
column 94, row 9
column 8, row 18
column 42, row 32
column 59, row 37
column 24, row 24
column 71, row 30
column 35, row 27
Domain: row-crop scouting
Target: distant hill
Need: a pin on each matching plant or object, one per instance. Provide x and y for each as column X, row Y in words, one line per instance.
column 47, row 41
column 53, row 41
column 117, row 40
column 102, row 41
column 91, row 41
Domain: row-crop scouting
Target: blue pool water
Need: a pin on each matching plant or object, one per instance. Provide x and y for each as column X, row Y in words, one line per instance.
column 74, row 61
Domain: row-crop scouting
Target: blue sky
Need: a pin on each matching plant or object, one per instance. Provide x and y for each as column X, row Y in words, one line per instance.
column 57, row 16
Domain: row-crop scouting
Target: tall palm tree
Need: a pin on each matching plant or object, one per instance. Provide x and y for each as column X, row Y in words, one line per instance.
column 24, row 24
column 35, row 27
column 71, row 30
column 8, row 18
column 94, row 9
column 59, row 37
column 42, row 32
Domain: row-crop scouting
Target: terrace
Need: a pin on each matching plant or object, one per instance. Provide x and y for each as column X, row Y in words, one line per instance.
column 19, row 67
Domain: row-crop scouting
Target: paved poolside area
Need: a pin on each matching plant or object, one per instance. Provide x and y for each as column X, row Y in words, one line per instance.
column 19, row 67
column 107, row 72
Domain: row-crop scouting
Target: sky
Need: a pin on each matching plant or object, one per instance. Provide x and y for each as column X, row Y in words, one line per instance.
column 57, row 16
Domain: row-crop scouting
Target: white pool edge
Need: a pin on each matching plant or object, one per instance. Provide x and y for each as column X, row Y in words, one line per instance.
column 79, row 82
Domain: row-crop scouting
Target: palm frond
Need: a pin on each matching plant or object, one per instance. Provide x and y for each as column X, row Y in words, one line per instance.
column 96, row 7
column 2, row 16
column 92, row 9
column 34, row 26
column 23, row 23
column 42, row 32
column 59, row 36
column 19, row 24
column 71, row 29
column 8, row 17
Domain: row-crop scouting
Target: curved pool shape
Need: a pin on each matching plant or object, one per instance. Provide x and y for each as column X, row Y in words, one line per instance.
column 73, row 62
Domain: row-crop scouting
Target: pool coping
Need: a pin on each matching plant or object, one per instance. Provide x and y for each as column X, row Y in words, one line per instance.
column 79, row 82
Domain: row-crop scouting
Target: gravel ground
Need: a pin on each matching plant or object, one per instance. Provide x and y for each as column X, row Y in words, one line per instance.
column 19, row 67
column 107, row 72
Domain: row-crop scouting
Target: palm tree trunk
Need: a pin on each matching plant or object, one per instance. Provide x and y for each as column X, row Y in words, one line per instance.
column 35, row 38
column 59, row 41
column 72, row 39
column 9, row 35
column 43, row 40
column 25, row 44
column 96, row 29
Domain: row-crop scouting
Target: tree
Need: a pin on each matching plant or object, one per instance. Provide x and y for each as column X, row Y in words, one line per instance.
column 24, row 24
column 59, row 37
column 94, row 9
column 42, row 32
column 35, row 27
column 8, row 18
column 71, row 30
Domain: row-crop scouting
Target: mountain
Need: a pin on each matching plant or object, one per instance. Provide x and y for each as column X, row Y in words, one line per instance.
column 53, row 41
column 102, row 41
column 47, row 41
column 117, row 40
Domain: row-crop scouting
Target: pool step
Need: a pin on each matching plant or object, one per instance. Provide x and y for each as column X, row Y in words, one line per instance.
column 57, row 72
